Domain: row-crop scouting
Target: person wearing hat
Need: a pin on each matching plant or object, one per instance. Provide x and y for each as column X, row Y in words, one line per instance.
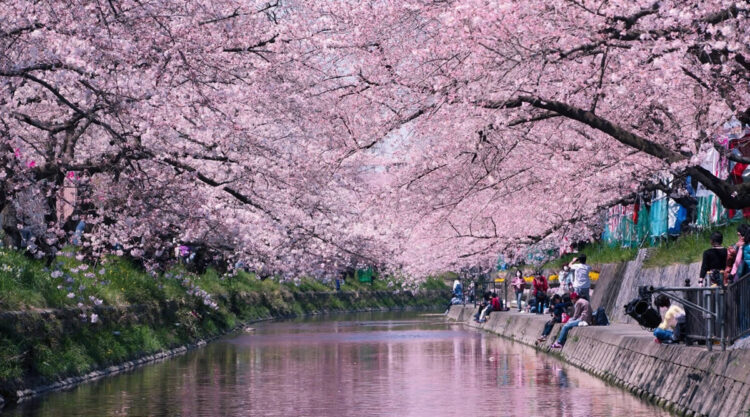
column 581, row 314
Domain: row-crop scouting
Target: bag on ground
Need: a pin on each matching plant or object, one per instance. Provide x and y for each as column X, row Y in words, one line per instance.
column 600, row 317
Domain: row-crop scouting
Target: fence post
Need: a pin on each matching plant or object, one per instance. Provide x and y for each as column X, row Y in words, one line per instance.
column 707, row 304
column 721, row 313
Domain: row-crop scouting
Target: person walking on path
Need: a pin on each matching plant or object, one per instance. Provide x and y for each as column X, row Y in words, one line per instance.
column 581, row 314
column 714, row 262
column 581, row 280
column 518, row 284
column 540, row 292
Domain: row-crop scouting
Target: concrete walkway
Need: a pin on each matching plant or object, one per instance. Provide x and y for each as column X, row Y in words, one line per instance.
column 687, row 380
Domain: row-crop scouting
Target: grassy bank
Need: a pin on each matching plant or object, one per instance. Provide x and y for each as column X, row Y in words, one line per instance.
column 72, row 317
column 685, row 249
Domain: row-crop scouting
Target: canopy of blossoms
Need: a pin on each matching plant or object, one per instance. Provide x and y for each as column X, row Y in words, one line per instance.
column 311, row 137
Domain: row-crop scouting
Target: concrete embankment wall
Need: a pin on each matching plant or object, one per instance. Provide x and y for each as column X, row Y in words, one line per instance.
column 689, row 381
column 618, row 283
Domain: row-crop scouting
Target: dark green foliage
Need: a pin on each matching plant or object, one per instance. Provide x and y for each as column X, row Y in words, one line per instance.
column 142, row 314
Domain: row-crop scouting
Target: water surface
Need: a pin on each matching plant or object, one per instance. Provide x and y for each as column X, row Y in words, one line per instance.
column 375, row 364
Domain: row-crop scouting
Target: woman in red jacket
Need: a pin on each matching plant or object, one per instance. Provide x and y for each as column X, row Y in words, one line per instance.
column 539, row 290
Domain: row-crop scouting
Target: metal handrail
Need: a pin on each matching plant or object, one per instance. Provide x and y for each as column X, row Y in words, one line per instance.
column 709, row 314
column 663, row 290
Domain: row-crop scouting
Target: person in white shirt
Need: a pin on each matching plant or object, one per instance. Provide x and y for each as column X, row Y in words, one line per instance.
column 581, row 280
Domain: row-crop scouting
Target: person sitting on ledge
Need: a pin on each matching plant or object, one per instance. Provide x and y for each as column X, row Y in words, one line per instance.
column 558, row 308
column 493, row 305
column 667, row 330
column 486, row 302
column 581, row 314
column 497, row 304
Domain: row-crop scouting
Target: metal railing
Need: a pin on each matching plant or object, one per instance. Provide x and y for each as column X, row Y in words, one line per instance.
column 738, row 309
column 704, row 312
column 714, row 313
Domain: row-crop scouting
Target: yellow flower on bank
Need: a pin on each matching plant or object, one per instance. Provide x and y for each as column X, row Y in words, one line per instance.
column 552, row 278
column 593, row 275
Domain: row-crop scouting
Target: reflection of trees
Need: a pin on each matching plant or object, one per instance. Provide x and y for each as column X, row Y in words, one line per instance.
column 462, row 374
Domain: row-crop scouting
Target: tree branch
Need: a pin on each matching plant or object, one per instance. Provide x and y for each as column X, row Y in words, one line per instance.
column 590, row 119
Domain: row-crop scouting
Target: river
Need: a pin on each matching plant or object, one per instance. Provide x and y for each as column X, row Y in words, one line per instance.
column 374, row 364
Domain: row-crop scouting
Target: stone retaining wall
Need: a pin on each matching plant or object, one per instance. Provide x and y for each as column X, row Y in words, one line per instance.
column 689, row 381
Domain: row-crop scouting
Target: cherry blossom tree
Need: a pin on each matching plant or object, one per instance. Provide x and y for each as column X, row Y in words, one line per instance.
column 310, row 137
column 526, row 119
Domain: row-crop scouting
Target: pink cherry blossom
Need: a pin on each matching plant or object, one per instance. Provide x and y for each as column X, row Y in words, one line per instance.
column 317, row 137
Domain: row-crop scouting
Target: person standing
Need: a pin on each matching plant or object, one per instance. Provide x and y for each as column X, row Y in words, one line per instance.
column 472, row 292
column 540, row 292
column 746, row 252
column 741, row 253
column 581, row 280
column 714, row 262
column 518, row 284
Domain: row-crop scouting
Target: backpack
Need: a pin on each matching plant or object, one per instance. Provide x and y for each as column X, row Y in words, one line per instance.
column 600, row 317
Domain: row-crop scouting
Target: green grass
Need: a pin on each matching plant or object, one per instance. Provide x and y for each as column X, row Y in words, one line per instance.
column 10, row 360
column 596, row 253
column 434, row 283
column 685, row 249
column 69, row 282
column 688, row 248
